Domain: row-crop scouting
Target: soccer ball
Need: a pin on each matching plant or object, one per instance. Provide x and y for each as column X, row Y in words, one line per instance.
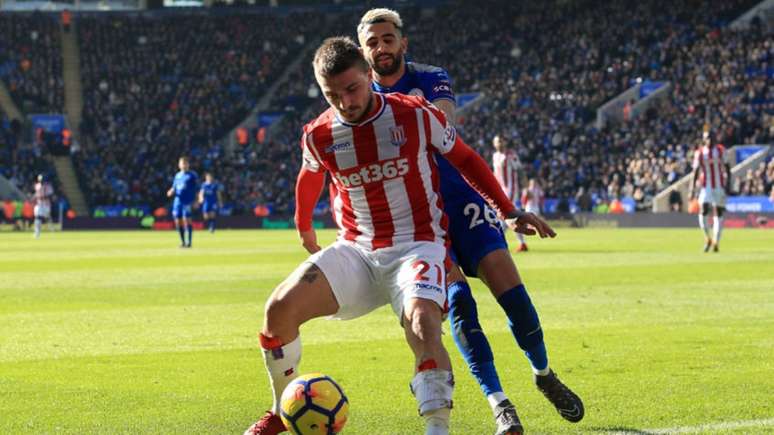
column 314, row 404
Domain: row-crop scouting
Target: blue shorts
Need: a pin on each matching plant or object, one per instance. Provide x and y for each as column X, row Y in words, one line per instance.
column 209, row 207
column 180, row 210
column 475, row 231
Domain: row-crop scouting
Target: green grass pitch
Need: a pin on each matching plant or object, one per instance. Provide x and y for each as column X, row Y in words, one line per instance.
column 123, row 332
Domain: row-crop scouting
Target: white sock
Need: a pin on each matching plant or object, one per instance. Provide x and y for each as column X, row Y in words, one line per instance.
column 495, row 399
column 717, row 228
column 282, row 365
column 520, row 236
column 433, row 390
column 437, row 421
column 37, row 227
column 542, row 372
column 703, row 224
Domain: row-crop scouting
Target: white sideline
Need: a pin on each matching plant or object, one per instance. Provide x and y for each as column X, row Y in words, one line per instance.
column 729, row 425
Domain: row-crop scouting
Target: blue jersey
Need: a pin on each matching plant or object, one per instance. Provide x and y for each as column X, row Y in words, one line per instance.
column 473, row 226
column 210, row 192
column 434, row 84
column 186, row 186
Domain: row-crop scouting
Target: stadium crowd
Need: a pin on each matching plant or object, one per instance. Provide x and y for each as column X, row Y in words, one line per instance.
column 546, row 70
column 157, row 86
column 21, row 162
column 31, row 61
column 161, row 86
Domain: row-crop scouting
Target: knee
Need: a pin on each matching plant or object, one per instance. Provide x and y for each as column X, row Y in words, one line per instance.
column 278, row 310
column 425, row 320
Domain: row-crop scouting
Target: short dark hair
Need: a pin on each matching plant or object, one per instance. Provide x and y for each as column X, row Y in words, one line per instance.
column 336, row 55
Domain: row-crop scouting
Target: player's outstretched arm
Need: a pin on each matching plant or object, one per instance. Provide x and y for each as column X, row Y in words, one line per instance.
column 309, row 186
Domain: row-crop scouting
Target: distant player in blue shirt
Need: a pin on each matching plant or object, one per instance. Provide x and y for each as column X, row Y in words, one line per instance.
column 184, row 188
column 477, row 237
column 211, row 200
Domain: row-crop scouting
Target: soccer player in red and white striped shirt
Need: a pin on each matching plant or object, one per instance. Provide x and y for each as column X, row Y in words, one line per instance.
column 42, row 198
column 506, row 166
column 713, row 175
column 379, row 151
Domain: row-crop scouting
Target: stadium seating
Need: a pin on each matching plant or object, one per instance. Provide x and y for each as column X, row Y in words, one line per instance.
column 546, row 70
column 31, row 61
column 157, row 87
column 160, row 85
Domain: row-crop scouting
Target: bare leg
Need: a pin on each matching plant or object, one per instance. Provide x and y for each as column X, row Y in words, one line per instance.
column 304, row 295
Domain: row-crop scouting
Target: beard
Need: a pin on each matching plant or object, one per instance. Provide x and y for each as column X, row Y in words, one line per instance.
column 367, row 110
column 392, row 67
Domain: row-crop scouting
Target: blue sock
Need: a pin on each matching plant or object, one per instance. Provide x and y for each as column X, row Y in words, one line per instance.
column 212, row 225
column 525, row 325
column 190, row 234
column 181, row 231
column 470, row 338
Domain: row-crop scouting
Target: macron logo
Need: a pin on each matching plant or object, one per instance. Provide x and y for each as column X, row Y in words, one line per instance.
column 338, row 147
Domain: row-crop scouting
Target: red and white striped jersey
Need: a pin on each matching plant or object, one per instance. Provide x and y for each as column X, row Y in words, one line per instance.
column 506, row 169
column 711, row 161
column 386, row 178
column 532, row 199
column 43, row 192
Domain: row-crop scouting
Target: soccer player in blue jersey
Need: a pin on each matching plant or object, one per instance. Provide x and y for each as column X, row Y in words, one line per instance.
column 477, row 237
column 184, row 188
column 211, row 200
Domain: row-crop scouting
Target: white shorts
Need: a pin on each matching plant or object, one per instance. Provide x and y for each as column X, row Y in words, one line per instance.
column 42, row 211
column 363, row 281
column 716, row 196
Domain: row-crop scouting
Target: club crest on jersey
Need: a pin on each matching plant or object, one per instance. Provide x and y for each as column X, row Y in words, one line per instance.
column 397, row 136
column 449, row 136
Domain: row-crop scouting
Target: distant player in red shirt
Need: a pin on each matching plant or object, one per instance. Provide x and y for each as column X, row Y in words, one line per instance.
column 713, row 175
column 506, row 165
column 42, row 197
column 533, row 197
column 391, row 248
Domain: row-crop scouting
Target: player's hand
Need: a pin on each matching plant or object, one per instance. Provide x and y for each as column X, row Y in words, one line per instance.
column 309, row 241
column 170, row 192
column 529, row 224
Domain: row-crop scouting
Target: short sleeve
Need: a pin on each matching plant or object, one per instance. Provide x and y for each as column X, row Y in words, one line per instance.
column 438, row 85
column 310, row 160
column 443, row 135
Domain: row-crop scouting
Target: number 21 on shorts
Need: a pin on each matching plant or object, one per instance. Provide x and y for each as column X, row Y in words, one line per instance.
column 424, row 274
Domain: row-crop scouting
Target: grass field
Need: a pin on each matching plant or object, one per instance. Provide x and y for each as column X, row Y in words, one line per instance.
column 123, row 332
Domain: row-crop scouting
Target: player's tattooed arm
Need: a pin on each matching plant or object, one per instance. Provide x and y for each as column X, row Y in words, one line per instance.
column 312, row 274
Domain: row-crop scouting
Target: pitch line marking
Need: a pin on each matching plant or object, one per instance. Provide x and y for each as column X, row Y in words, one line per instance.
column 729, row 425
